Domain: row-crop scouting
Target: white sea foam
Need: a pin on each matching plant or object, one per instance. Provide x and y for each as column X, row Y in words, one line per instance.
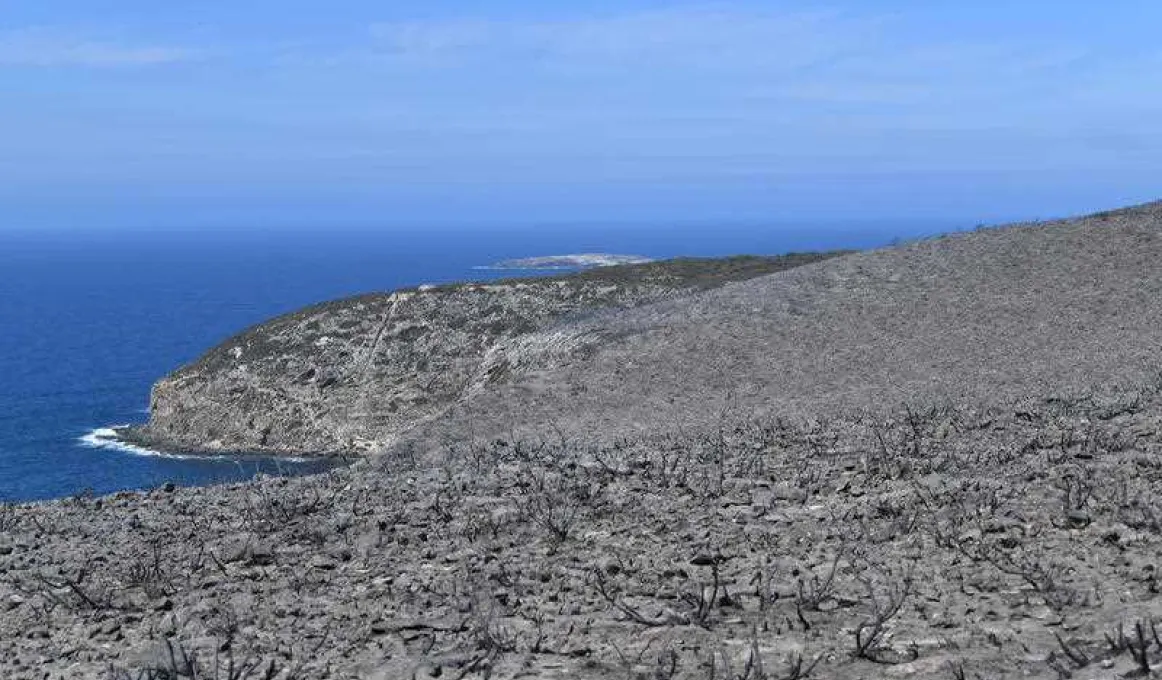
column 107, row 438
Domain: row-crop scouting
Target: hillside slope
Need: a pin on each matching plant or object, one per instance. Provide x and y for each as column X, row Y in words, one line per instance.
column 348, row 376
column 942, row 460
column 989, row 316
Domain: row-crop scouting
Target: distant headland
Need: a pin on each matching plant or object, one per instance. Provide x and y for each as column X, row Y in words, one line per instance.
column 577, row 261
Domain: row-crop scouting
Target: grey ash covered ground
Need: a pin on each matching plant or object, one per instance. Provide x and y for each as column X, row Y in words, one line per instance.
column 942, row 543
column 349, row 376
column 940, row 460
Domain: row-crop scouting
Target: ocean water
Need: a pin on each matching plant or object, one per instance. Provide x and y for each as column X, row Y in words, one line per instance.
column 88, row 320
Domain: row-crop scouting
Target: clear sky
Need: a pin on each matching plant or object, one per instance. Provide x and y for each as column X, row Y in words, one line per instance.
column 289, row 112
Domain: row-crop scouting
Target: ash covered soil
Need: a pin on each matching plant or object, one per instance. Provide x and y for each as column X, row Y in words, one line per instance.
column 946, row 542
column 351, row 376
column 937, row 460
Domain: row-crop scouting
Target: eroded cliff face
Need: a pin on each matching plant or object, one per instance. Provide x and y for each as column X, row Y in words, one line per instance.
column 347, row 377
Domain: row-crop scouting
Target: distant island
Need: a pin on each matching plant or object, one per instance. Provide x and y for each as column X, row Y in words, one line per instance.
column 578, row 261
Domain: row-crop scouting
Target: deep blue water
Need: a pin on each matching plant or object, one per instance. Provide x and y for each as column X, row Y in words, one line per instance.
column 89, row 321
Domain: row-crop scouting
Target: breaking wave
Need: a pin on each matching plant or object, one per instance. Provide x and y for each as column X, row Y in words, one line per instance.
column 107, row 438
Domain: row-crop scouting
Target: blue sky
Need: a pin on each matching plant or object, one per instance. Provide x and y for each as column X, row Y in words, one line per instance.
column 223, row 114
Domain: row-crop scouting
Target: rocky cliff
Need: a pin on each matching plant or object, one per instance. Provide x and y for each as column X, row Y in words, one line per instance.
column 348, row 376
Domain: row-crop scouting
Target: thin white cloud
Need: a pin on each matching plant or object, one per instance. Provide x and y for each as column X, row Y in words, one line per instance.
column 757, row 54
column 45, row 47
column 708, row 34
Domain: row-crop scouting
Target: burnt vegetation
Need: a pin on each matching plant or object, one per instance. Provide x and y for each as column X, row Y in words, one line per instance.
column 941, row 542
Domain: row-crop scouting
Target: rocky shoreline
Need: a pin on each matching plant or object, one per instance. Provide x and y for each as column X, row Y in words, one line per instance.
column 141, row 437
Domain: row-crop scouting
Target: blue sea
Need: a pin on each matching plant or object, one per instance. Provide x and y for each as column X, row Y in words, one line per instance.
column 90, row 318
